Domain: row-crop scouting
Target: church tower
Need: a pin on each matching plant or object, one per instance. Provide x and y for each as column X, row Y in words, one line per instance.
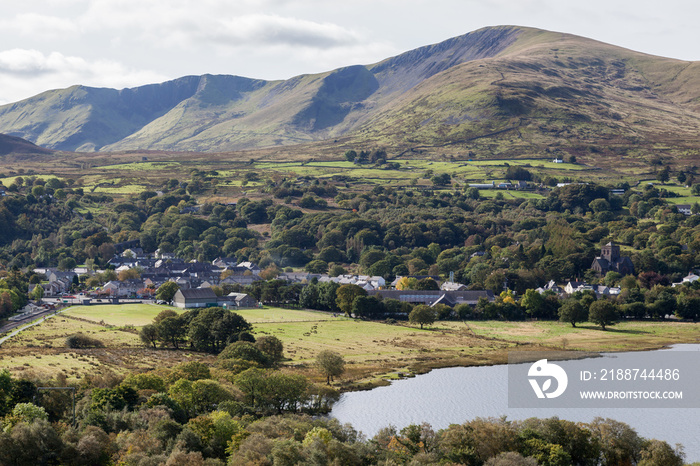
column 611, row 252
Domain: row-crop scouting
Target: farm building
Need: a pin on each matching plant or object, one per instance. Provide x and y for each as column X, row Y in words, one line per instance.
column 195, row 297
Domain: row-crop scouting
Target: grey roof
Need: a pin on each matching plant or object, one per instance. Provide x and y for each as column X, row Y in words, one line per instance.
column 198, row 293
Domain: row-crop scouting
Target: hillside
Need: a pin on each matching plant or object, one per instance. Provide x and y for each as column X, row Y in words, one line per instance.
column 13, row 145
column 500, row 91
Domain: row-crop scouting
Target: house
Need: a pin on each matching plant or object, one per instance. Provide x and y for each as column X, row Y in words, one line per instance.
column 452, row 286
column 53, row 276
column 552, row 286
column 685, row 209
column 195, row 297
column 557, row 160
column 123, row 288
column 133, row 253
column 240, row 280
column 574, row 286
column 298, row 277
column 238, row 300
column 364, row 281
column 224, row 262
column 250, row 266
column 164, row 255
column 687, row 280
column 611, row 261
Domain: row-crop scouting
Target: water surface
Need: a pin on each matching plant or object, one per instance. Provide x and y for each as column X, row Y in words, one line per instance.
column 455, row 395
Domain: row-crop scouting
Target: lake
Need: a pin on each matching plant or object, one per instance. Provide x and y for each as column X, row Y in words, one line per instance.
column 455, row 395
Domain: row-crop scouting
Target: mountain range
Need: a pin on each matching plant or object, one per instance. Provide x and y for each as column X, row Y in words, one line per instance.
column 502, row 90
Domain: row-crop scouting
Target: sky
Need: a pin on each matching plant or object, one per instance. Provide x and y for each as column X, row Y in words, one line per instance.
column 54, row 44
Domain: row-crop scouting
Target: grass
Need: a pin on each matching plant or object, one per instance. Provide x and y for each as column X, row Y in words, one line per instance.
column 126, row 189
column 141, row 166
column 119, row 315
column 53, row 332
column 276, row 314
column 374, row 351
column 625, row 336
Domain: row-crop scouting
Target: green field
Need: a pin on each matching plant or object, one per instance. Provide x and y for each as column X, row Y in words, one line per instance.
column 119, row 315
column 276, row 314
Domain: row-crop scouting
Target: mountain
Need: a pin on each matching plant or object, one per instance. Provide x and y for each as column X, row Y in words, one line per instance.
column 503, row 90
column 18, row 146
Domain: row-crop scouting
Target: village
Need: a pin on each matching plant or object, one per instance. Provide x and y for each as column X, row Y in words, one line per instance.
column 137, row 276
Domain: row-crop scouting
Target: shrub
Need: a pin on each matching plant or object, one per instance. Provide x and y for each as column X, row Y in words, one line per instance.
column 80, row 340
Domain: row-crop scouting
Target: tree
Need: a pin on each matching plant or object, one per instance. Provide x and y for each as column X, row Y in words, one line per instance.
column 573, row 311
column 331, row 364
column 406, row 283
column 442, row 179
column 171, row 329
column 271, row 346
column 367, row 306
column 423, row 315
column 681, row 177
column 37, row 293
column 345, row 295
column 603, row 312
column 149, row 334
column 659, row 452
column 350, row 155
column 166, row 291
column 246, row 351
column 533, row 303
column 664, row 174
column 427, row 284
column 213, row 328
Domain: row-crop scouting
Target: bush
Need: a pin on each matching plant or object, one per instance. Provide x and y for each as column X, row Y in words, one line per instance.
column 245, row 351
column 83, row 341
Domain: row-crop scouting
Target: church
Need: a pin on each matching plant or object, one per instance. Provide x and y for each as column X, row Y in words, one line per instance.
column 611, row 261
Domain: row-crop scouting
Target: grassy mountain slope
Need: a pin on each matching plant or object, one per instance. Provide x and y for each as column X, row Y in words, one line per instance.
column 14, row 145
column 549, row 92
column 499, row 91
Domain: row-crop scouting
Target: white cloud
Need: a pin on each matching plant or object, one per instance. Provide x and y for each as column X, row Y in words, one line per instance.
column 277, row 30
column 24, row 73
column 179, row 24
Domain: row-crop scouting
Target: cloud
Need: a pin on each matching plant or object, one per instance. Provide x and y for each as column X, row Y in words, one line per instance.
column 24, row 73
column 259, row 29
column 32, row 24
column 212, row 22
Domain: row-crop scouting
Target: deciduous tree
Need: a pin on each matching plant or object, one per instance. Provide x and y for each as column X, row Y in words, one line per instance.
column 422, row 315
column 331, row 364
column 603, row 312
column 573, row 311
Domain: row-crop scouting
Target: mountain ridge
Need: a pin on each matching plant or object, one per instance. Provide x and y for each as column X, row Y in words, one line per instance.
column 545, row 87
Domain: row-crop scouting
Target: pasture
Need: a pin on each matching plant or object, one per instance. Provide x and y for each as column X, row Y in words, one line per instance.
column 373, row 350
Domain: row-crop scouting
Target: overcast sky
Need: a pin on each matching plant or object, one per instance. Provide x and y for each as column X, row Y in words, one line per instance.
column 51, row 44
